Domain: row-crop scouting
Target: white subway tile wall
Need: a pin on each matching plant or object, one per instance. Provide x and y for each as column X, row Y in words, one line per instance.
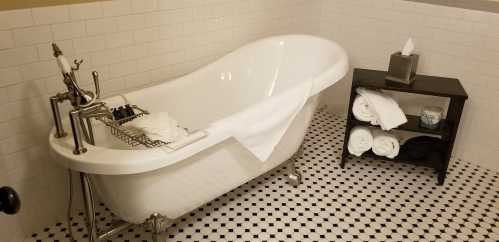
column 132, row 43
column 451, row 41
column 50, row 15
column 6, row 40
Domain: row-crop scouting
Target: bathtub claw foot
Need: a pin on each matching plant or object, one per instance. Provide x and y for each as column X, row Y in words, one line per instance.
column 158, row 237
column 158, row 224
column 294, row 179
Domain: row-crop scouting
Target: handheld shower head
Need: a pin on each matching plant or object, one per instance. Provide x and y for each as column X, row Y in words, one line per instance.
column 77, row 96
column 57, row 51
column 61, row 60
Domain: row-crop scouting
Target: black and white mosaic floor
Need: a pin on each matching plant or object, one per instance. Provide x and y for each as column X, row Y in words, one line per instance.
column 367, row 201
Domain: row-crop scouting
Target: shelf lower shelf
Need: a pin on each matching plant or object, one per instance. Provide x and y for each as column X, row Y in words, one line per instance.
column 413, row 126
column 435, row 162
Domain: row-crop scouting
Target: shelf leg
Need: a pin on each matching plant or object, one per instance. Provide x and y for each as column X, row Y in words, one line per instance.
column 294, row 177
column 441, row 177
column 342, row 163
column 344, row 153
column 454, row 112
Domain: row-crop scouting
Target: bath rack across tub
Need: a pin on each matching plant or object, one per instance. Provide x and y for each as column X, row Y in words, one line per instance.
column 131, row 135
column 134, row 136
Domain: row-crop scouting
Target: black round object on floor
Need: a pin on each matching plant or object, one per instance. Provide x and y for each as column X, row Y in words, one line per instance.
column 9, row 201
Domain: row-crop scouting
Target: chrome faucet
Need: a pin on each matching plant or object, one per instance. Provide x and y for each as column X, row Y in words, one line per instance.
column 85, row 104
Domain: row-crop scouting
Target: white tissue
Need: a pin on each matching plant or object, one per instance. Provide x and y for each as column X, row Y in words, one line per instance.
column 408, row 47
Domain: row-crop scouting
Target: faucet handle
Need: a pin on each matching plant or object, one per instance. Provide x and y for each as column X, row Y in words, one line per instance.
column 95, row 76
column 77, row 63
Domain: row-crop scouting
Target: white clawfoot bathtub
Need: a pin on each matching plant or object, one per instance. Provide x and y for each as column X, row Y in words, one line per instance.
column 135, row 183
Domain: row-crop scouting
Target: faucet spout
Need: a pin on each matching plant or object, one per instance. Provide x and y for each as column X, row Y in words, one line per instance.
column 97, row 110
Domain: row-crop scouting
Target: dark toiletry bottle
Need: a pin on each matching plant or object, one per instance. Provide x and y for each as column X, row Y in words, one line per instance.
column 129, row 110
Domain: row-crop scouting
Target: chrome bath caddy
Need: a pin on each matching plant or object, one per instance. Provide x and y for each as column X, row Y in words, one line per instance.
column 131, row 135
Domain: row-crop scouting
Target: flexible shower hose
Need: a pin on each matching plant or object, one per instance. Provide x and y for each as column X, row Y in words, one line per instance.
column 70, row 203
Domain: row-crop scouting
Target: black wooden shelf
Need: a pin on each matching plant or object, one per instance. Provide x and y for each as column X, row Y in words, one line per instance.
column 413, row 126
column 425, row 85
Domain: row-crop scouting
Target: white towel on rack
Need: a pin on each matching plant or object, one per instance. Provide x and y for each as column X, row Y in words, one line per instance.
column 385, row 144
column 362, row 112
column 385, row 108
column 360, row 140
column 159, row 126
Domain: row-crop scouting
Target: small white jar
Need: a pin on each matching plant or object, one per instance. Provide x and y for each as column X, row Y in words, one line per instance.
column 431, row 117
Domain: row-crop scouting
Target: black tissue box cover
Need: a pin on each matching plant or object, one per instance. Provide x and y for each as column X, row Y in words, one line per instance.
column 402, row 69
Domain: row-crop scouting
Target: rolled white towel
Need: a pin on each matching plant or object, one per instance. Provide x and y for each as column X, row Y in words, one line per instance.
column 362, row 112
column 159, row 126
column 388, row 113
column 385, row 144
column 360, row 141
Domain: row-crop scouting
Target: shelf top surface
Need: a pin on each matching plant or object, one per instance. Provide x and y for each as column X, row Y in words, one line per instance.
column 427, row 85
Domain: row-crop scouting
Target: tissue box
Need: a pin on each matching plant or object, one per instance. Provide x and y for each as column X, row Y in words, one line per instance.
column 402, row 69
